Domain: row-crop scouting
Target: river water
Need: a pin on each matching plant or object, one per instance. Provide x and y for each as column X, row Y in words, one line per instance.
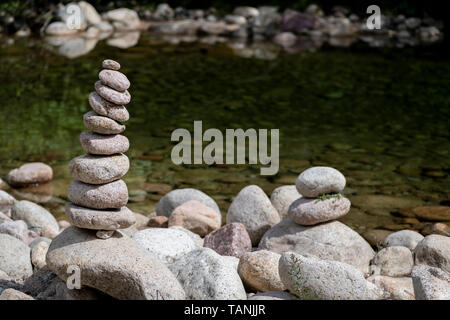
column 379, row 115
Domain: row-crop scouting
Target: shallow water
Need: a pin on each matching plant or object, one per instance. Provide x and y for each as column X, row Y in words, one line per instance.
column 380, row 116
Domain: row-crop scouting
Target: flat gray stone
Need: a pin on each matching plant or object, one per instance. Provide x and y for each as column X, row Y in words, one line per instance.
column 104, row 196
column 205, row 275
column 110, row 219
column 253, row 209
column 99, row 144
column 320, row 180
column 15, row 257
column 311, row 278
column 36, row 217
column 330, row 241
column 175, row 198
column 306, row 211
column 108, row 109
column 96, row 169
column 112, row 95
column 114, row 79
column 117, row 266
column 101, row 124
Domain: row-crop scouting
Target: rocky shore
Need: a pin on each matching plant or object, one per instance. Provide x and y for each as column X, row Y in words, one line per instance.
column 286, row 247
column 292, row 30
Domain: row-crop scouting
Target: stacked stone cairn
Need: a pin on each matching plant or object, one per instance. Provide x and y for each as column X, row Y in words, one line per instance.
column 321, row 199
column 98, row 195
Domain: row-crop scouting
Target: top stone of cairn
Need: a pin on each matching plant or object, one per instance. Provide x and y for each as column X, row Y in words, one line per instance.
column 316, row 181
column 110, row 64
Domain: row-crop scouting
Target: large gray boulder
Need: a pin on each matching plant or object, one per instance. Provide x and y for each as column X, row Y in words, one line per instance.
column 253, row 209
column 434, row 250
column 166, row 244
column 430, row 283
column 175, row 198
column 15, row 257
column 35, row 216
column 311, row 278
column 331, row 241
column 117, row 266
column 206, row 275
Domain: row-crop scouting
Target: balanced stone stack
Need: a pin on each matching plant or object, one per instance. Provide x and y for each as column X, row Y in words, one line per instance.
column 98, row 195
column 321, row 200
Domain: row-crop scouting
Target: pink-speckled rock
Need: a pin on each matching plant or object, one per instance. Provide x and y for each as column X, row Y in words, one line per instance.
column 110, row 64
column 108, row 109
column 112, row 95
column 114, row 79
column 230, row 240
column 196, row 217
column 95, row 143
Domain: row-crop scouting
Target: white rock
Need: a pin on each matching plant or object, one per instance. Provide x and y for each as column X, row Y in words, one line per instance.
column 282, row 197
column 205, row 275
column 405, row 238
column 396, row 261
column 320, row 180
column 15, row 257
column 434, row 250
column 91, row 15
column 394, row 288
column 17, row 229
column 174, row 198
column 310, row 278
column 35, row 216
column 430, row 283
column 167, row 245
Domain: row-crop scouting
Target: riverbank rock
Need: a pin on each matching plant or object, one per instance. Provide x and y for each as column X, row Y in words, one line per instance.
column 13, row 294
column 91, row 15
column 38, row 254
column 405, row 238
column 59, row 28
column 205, row 275
column 330, row 241
column 36, row 217
column 273, row 295
column 230, row 240
column 15, row 257
column 113, row 195
column 376, row 237
column 167, row 245
column 111, row 95
column 94, row 169
column 123, row 19
column 282, row 197
column 259, row 271
column 311, row 278
column 430, row 283
column 18, row 229
column 394, row 288
column 175, row 198
column 195, row 237
column 394, row 261
column 6, row 199
column 100, row 124
column 111, row 219
column 117, row 266
column 305, row 211
column 108, row 109
column 114, row 79
column 434, row 250
column 320, row 180
column 253, row 209
column 99, row 144
column 196, row 217
column 29, row 174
